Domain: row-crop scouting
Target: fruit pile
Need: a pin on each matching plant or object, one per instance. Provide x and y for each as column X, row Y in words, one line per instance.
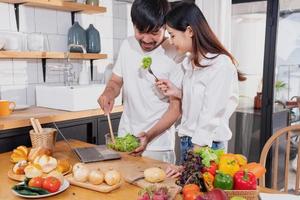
column 207, row 169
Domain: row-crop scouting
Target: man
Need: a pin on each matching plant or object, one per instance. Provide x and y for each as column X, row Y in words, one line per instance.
column 147, row 113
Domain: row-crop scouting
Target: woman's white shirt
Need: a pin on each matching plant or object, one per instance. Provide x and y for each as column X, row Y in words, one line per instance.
column 210, row 96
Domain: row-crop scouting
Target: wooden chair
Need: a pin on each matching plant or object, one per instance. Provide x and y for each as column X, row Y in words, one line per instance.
column 286, row 134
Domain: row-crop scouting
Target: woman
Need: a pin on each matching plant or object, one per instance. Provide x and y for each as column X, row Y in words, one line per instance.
column 209, row 90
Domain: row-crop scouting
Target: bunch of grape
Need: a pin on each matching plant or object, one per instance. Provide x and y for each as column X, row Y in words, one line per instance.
column 192, row 171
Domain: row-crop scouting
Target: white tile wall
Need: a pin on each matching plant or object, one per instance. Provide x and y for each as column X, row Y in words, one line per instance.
column 6, row 72
column 20, row 72
column 18, row 78
column 27, row 19
column 4, row 23
column 12, row 17
column 57, row 42
column 63, row 22
column 45, row 21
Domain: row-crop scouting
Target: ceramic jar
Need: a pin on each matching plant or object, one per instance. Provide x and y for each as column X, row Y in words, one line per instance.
column 92, row 2
column 93, row 40
column 77, row 36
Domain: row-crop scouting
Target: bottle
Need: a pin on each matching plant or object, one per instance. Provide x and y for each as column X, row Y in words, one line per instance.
column 84, row 78
column 77, row 36
column 93, row 40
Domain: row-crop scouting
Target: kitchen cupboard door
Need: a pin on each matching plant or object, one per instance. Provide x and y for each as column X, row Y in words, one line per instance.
column 81, row 129
column 10, row 139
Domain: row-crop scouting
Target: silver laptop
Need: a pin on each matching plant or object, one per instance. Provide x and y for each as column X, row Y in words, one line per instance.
column 91, row 154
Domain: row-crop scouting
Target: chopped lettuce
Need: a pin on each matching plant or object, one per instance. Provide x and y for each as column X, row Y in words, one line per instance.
column 208, row 154
column 146, row 62
column 127, row 143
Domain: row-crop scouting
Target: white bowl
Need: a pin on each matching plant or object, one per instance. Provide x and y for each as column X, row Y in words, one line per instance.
column 2, row 43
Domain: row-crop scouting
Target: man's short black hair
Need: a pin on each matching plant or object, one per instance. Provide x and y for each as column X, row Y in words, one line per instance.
column 148, row 15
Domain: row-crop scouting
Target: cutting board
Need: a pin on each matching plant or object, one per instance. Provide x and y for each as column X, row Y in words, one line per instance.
column 100, row 188
column 134, row 174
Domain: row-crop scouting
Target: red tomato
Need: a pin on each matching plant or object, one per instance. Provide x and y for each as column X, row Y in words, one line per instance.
column 189, row 188
column 51, row 184
column 36, row 182
column 192, row 195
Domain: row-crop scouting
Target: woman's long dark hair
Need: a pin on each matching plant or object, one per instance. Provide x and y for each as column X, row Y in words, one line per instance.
column 204, row 40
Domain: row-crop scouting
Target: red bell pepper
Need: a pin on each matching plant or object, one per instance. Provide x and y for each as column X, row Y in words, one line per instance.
column 244, row 180
column 211, row 169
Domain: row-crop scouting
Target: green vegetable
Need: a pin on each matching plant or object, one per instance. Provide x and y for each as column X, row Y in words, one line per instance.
column 32, row 191
column 208, row 154
column 146, row 62
column 127, row 143
column 223, row 181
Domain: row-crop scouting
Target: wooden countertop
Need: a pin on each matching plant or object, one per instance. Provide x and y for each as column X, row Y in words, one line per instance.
column 126, row 191
column 45, row 115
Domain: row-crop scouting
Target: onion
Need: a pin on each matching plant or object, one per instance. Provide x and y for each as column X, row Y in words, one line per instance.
column 77, row 166
column 112, row 177
column 81, row 174
column 96, row 177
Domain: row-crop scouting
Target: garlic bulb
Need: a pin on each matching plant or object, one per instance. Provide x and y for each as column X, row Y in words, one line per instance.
column 96, row 177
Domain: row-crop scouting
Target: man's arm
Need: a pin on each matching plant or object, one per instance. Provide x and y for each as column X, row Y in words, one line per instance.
column 112, row 90
column 166, row 121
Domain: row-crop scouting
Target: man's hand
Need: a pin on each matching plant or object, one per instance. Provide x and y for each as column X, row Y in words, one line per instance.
column 106, row 103
column 144, row 140
column 112, row 90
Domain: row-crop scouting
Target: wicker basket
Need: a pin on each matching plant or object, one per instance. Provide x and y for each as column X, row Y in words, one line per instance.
column 46, row 139
column 247, row 194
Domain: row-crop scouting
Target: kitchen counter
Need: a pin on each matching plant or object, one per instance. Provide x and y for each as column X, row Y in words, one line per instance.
column 126, row 191
column 45, row 115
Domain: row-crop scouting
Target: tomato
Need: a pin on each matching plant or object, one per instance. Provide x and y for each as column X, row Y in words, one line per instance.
column 191, row 195
column 190, row 187
column 51, row 184
column 36, row 182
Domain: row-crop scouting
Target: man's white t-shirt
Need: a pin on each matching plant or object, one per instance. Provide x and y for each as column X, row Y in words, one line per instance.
column 144, row 105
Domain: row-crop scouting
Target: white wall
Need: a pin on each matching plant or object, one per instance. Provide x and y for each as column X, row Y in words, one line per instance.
column 248, row 39
column 18, row 78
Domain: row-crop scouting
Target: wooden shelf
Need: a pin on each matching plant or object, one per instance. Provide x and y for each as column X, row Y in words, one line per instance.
column 59, row 5
column 21, row 118
column 50, row 55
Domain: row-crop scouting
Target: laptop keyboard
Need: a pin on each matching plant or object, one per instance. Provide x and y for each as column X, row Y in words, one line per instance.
column 89, row 153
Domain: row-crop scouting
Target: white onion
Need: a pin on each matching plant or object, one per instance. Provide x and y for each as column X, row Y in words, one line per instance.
column 96, row 177
column 112, row 177
column 81, row 174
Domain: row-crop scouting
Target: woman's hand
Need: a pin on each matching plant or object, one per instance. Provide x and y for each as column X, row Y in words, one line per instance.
column 174, row 171
column 168, row 88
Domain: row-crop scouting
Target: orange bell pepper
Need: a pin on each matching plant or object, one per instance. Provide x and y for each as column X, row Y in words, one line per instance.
column 256, row 168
